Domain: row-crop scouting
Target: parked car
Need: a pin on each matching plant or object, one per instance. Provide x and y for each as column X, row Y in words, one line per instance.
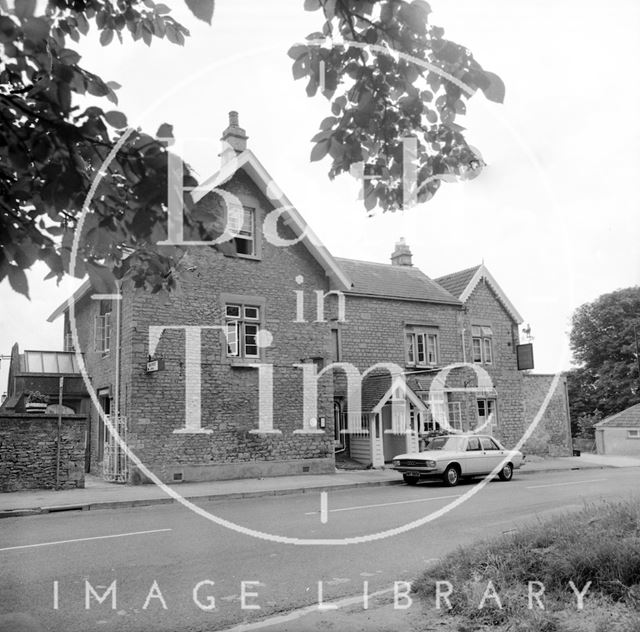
column 453, row 457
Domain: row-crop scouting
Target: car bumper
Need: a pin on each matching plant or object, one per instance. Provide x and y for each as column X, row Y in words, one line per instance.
column 422, row 472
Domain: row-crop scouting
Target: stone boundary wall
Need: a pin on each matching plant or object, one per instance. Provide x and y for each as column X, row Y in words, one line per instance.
column 28, row 451
column 552, row 435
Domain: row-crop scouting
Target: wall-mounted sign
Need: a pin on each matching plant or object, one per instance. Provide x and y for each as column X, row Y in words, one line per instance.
column 524, row 355
column 155, row 365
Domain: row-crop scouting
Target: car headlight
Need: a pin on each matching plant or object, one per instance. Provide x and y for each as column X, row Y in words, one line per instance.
column 430, row 463
column 396, row 462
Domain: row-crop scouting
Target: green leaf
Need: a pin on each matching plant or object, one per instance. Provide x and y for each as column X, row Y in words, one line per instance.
column 25, row 8
column 297, row 50
column 18, row 281
column 202, row 9
column 300, row 67
column 69, row 57
column 106, row 36
column 36, row 29
column 116, row 119
column 320, row 150
column 495, row 91
column 100, row 277
column 165, row 131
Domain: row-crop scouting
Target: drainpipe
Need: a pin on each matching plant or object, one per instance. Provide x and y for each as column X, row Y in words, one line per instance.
column 59, row 440
column 117, row 358
column 464, row 345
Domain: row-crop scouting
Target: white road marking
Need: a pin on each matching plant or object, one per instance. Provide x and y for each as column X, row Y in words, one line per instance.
column 298, row 614
column 593, row 480
column 97, row 537
column 323, row 507
column 399, row 502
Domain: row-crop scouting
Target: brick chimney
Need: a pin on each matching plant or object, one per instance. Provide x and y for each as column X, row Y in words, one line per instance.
column 402, row 254
column 234, row 136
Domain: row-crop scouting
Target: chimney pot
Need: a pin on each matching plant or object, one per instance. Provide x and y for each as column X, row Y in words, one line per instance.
column 234, row 138
column 401, row 256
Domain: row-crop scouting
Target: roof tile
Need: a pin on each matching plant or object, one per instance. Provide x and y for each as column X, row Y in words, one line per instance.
column 628, row 418
column 457, row 282
column 393, row 281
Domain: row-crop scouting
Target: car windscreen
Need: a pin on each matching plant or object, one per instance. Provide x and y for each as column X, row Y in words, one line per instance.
column 445, row 443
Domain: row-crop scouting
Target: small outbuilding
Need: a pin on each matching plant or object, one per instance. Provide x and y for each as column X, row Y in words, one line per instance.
column 620, row 433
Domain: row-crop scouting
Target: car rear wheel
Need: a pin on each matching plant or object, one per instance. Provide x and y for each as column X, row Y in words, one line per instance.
column 451, row 476
column 410, row 480
column 506, row 473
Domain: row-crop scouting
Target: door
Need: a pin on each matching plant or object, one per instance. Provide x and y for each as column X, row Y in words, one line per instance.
column 473, row 461
column 492, row 453
column 104, row 398
column 393, row 442
column 340, row 435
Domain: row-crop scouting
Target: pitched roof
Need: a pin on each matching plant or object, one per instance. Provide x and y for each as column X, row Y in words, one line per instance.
column 457, row 282
column 248, row 162
column 472, row 276
column 377, row 389
column 393, row 281
column 628, row 418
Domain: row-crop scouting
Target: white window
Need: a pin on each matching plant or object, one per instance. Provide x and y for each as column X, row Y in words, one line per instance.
column 421, row 348
column 633, row 434
column 481, row 342
column 244, row 225
column 102, row 328
column 455, row 415
column 242, row 325
column 487, row 414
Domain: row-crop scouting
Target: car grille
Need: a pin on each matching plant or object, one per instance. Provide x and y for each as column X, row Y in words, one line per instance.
column 412, row 463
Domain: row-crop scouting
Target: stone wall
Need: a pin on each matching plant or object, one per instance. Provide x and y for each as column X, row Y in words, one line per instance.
column 552, row 434
column 484, row 308
column 28, row 451
column 155, row 404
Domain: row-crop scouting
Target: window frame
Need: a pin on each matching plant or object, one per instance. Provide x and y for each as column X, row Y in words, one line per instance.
column 247, row 236
column 482, row 344
column 241, row 322
column 102, row 329
column 454, row 415
column 633, row 433
column 494, row 406
column 419, row 344
column 336, row 345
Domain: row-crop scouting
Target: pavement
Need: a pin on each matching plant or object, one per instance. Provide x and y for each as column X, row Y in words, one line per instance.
column 98, row 494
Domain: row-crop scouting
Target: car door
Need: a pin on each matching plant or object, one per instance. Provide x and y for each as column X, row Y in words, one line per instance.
column 492, row 455
column 473, row 457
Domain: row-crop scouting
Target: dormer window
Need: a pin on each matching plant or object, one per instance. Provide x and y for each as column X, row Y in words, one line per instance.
column 245, row 230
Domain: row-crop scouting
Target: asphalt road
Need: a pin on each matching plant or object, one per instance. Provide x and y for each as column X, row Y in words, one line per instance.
column 163, row 558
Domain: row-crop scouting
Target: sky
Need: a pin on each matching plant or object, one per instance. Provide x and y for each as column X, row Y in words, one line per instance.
column 554, row 215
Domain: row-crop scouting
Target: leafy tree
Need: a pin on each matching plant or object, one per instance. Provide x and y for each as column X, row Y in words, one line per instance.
column 52, row 150
column 52, row 147
column 603, row 342
column 366, row 62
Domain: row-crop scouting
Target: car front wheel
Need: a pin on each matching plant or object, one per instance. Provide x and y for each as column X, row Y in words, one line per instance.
column 451, row 476
column 506, row 473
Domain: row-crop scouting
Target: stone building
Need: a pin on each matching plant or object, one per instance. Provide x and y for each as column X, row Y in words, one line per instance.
column 249, row 369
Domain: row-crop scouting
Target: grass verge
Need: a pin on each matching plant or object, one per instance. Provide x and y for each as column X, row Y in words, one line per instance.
column 529, row 581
